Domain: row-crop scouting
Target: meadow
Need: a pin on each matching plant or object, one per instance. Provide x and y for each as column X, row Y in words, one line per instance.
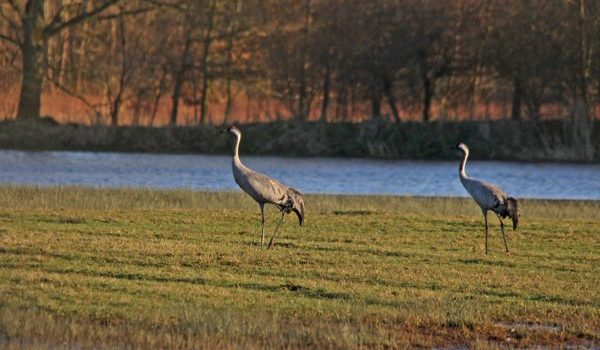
column 133, row 268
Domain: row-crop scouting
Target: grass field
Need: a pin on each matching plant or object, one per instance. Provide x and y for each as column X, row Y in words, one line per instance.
column 89, row 268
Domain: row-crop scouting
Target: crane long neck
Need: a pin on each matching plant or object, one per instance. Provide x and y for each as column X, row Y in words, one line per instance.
column 236, row 148
column 461, row 170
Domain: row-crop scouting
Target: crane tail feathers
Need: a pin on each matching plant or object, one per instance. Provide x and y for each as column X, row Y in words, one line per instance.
column 514, row 210
column 297, row 204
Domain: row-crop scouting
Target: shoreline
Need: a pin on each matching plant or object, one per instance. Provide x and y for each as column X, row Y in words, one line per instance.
column 504, row 140
column 366, row 158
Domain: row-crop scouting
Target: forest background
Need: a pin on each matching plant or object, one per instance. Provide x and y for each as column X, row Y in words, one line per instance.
column 523, row 73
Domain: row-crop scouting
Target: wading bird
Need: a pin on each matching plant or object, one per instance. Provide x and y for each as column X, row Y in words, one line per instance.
column 265, row 190
column 489, row 197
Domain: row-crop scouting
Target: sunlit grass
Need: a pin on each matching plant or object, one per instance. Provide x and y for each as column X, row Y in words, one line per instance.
column 70, row 197
column 183, row 269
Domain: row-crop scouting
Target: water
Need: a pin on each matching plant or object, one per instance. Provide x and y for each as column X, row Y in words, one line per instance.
column 310, row 175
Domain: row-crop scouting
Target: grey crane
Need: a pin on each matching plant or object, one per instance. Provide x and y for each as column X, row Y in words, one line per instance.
column 489, row 197
column 265, row 190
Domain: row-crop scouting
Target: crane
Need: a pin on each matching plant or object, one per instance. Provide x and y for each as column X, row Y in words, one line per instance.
column 265, row 190
column 489, row 197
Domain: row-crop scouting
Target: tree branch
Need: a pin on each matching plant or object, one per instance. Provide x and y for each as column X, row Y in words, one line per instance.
column 9, row 20
column 124, row 13
column 16, row 8
column 57, row 17
column 55, row 28
column 159, row 3
column 10, row 40
column 11, row 59
column 91, row 106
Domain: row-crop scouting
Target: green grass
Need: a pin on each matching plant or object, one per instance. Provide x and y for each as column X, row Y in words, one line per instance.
column 90, row 268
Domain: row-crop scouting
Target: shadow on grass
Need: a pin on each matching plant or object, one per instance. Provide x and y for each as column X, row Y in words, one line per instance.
column 486, row 262
column 353, row 212
column 319, row 293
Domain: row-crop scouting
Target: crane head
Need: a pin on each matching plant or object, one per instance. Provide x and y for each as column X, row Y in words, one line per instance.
column 233, row 130
column 297, row 204
column 461, row 146
column 514, row 210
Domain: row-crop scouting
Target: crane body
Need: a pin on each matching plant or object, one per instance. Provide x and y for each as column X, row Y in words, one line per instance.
column 265, row 190
column 489, row 197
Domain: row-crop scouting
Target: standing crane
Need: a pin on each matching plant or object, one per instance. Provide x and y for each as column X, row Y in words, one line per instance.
column 489, row 197
column 265, row 190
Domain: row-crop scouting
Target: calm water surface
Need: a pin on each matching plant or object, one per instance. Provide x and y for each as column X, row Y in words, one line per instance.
column 310, row 175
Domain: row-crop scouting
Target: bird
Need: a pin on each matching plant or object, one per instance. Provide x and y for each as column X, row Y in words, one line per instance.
column 264, row 189
column 489, row 197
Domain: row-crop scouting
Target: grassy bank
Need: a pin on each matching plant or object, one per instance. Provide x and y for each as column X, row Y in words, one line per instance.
column 502, row 140
column 178, row 269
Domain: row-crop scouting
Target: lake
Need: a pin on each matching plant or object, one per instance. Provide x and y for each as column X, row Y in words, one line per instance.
column 310, row 175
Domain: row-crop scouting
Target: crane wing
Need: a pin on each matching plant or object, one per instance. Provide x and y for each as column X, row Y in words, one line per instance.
column 265, row 188
column 488, row 196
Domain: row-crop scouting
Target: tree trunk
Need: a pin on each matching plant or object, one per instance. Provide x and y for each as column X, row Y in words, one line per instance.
column 427, row 97
column 427, row 87
column 516, row 99
column 391, row 100
column 326, row 83
column 114, row 110
column 303, row 108
column 158, row 94
column 232, row 28
column 118, row 101
column 205, row 59
column 175, row 97
column 65, row 77
column 585, row 57
column 82, row 46
column 34, row 49
column 180, row 75
column 33, row 52
column 341, row 104
column 376, row 104
column 228, row 101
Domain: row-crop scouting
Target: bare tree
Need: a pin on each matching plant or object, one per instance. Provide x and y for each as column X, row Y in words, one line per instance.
column 34, row 29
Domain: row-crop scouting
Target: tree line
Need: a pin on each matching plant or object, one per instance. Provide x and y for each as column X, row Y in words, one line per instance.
column 328, row 60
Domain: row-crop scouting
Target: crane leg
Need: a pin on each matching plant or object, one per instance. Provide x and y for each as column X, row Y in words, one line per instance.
column 503, row 236
column 262, row 224
column 276, row 228
column 486, row 230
